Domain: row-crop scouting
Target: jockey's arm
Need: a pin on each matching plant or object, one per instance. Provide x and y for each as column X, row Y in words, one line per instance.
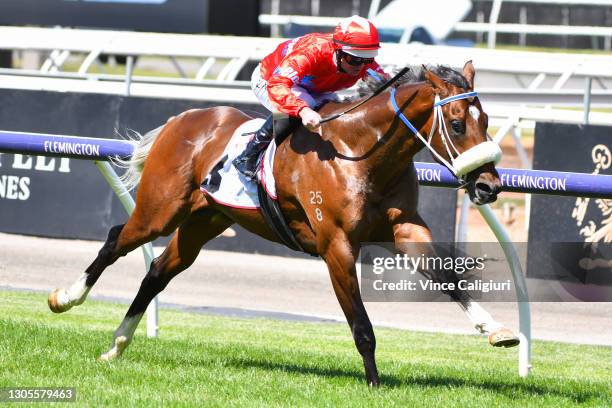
column 290, row 72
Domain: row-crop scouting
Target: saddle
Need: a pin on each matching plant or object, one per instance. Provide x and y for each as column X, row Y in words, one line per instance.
column 226, row 186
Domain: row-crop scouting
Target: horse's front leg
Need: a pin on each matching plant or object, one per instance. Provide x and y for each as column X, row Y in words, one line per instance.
column 414, row 230
column 340, row 257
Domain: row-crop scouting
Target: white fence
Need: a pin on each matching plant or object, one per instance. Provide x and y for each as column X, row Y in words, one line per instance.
column 503, row 76
column 518, row 88
column 493, row 27
column 489, row 25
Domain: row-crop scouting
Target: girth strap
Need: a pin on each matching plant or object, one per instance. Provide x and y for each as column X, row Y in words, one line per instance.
column 274, row 218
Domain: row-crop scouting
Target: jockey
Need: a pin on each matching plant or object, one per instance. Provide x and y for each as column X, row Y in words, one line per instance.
column 302, row 74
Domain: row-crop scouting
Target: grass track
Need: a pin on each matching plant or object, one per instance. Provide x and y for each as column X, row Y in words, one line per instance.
column 215, row 361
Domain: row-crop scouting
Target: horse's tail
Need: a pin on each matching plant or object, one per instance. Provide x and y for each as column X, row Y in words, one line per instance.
column 135, row 163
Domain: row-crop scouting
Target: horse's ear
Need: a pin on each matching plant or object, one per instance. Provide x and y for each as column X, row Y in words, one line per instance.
column 435, row 81
column 469, row 72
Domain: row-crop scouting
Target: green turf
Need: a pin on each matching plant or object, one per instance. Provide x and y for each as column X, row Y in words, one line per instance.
column 202, row 360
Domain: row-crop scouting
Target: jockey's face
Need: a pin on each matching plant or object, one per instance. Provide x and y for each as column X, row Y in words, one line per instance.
column 352, row 65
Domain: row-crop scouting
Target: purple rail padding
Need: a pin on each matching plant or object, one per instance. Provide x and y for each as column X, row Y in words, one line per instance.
column 429, row 174
column 528, row 181
column 75, row 147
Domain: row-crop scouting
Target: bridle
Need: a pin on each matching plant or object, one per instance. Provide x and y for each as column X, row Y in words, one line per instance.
column 461, row 163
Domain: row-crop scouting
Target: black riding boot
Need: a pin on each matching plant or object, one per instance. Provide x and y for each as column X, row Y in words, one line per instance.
column 246, row 163
column 284, row 126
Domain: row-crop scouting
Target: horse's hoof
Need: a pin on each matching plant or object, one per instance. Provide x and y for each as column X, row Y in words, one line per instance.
column 503, row 338
column 374, row 383
column 55, row 304
column 120, row 345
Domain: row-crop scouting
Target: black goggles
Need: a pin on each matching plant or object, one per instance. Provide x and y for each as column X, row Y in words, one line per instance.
column 356, row 61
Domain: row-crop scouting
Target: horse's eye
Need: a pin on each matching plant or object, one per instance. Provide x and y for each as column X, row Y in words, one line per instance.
column 458, row 127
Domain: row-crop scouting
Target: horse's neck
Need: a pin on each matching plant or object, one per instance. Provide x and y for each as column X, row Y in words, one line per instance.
column 397, row 143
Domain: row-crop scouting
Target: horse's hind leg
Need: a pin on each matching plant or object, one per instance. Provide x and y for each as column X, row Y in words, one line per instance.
column 415, row 230
column 180, row 253
column 62, row 300
column 155, row 215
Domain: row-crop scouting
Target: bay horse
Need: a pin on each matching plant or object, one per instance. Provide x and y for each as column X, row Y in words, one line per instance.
column 360, row 165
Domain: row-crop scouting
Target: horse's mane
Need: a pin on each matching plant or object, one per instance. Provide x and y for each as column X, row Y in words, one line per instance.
column 415, row 74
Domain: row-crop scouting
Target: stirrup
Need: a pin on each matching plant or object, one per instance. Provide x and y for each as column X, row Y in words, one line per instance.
column 246, row 167
column 247, row 162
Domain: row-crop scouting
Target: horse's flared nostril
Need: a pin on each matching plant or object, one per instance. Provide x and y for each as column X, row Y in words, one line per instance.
column 485, row 188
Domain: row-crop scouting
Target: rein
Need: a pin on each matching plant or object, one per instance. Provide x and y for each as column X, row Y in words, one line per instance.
column 378, row 91
column 463, row 163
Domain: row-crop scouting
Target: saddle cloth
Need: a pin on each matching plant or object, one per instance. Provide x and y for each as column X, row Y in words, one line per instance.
column 226, row 186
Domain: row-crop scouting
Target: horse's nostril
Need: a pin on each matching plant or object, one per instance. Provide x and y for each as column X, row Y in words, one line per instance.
column 484, row 188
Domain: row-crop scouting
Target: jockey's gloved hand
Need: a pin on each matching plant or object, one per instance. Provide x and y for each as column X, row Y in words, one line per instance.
column 310, row 119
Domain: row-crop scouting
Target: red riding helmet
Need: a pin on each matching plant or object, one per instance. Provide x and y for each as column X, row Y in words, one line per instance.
column 357, row 36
